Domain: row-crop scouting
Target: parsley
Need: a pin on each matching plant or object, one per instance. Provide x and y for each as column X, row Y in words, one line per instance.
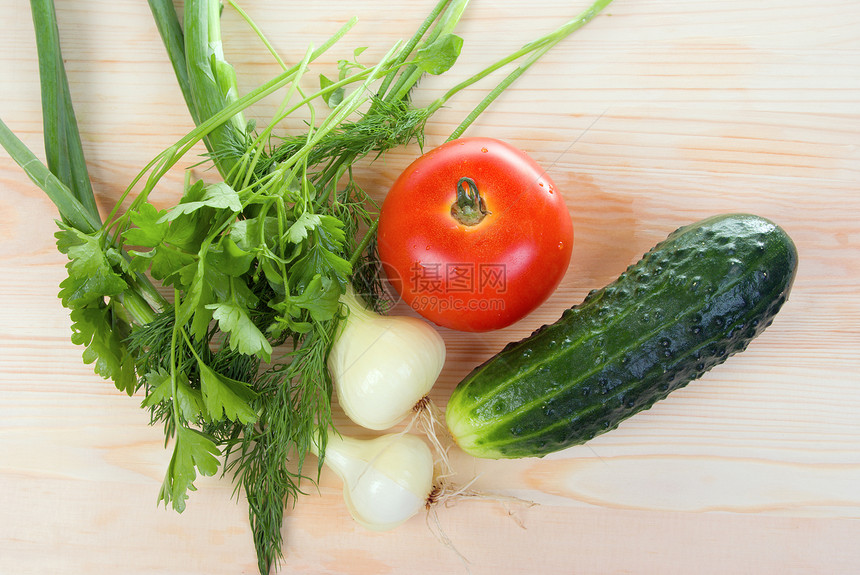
column 193, row 452
column 91, row 275
column 225, row 397
column 245, row 337
column 95, row 328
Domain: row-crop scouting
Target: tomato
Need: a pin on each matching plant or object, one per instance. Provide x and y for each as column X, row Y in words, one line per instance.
column 474, row 235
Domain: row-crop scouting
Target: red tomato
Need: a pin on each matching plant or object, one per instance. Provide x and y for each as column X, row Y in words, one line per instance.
column 474, row 275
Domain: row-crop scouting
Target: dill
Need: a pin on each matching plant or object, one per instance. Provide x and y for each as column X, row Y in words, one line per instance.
column 385, row 126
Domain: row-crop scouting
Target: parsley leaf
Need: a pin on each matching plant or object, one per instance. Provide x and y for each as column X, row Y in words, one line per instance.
column 320, row 298
column 93, row 327
column 438, row 57
column 330, row 233
column 298, row 232
column 211, row 282
column 319, row 261
column 193, row 451
column 149, row 230
column 91, row 275
column 334, row 97
column 225, row 396
column 254, row 233
column 228, row 258
column 218, row 196
column 165, row 262
column 160, row 388
column 245, row 337
column 188, row 400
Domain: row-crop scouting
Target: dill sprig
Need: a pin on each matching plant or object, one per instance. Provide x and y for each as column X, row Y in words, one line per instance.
column 267, row 458
column 385, row 126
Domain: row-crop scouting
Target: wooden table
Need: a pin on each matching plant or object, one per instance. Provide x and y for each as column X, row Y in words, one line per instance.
column 655, row 115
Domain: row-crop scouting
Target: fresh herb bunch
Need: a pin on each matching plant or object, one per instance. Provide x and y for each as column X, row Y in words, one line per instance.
column 233, row 365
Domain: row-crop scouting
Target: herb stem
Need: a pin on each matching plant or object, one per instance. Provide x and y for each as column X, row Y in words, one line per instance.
column 282, row 113
column 447, row 22
column 538, row 47
column 365, row 241
column 410, row 45
column 343, row 110
column 259, row 33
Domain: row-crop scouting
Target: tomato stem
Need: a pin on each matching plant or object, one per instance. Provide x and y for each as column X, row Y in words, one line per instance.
column 469, row 209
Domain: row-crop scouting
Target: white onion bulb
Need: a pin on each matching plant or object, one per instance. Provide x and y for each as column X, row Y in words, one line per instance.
column 386, row 480
column 382, row 366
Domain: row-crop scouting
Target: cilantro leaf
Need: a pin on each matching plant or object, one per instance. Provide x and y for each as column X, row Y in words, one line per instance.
column 193, row 452
column 225, row 396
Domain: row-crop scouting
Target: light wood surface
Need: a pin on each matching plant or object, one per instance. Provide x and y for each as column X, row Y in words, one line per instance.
column 655, row 115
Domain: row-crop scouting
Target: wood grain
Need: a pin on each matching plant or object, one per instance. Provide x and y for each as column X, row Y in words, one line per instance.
column 656, row 114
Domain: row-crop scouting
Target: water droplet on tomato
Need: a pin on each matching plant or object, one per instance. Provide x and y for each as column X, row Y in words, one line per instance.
column 561, row 245
column 484, row 150
column 540, row 184
column 427, row 248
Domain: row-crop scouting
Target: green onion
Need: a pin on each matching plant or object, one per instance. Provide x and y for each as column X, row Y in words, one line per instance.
column 63, row 147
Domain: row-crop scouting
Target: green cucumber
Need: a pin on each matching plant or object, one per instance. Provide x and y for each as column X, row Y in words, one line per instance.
column 696, row 298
